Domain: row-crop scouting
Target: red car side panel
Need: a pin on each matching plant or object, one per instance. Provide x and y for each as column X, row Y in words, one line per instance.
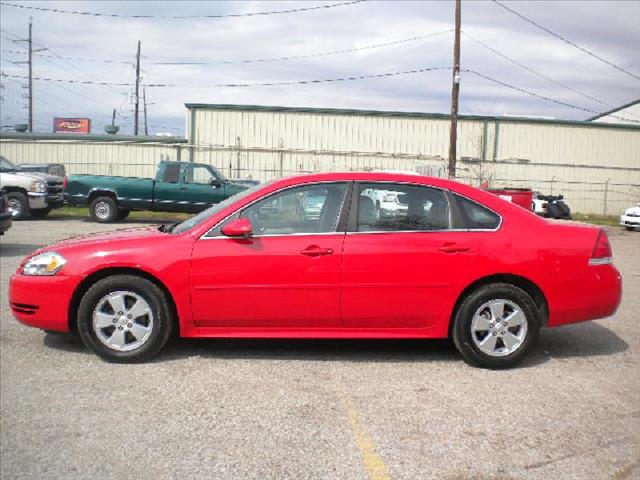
column 403, row 280
column 266, row 281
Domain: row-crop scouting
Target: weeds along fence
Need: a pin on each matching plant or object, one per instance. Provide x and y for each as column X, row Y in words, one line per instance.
column 593, row 189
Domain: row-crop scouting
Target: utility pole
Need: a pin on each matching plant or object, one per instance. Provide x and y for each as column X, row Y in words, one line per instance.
column 144, row 102
column 30, row 77
column 455, row 91
column 135, row 127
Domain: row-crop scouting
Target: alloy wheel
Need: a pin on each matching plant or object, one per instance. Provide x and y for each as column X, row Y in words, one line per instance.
column 123, row 320
column 499, row 327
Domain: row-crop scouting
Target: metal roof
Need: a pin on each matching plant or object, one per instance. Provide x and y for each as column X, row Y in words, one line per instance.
column 614, row 110
column 383, row 113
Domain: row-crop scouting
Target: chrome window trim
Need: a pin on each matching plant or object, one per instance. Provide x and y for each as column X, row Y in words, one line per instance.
column 346, row 182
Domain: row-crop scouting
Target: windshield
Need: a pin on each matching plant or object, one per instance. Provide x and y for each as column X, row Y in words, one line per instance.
column 6, row 164
column 212, row 210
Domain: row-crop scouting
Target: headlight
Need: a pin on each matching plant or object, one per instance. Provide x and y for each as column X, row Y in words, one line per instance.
column 44, row 264
column 38, row 187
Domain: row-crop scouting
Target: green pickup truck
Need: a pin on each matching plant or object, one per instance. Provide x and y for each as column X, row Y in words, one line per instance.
column 178, row 187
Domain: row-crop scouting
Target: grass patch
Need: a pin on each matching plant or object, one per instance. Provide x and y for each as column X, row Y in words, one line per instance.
column 141, row 216
column 610, row 220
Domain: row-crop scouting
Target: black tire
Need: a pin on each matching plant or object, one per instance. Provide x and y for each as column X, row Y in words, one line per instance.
column 553, row 210
column 19, row 204
column 40, row 212
column 462, row 324
column 123, row 213
column 104, row 210
column 158, row 303
column 564, row 208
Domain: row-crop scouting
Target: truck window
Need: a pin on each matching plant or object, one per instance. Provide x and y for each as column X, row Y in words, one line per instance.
column 171, row 173
column 198, row 174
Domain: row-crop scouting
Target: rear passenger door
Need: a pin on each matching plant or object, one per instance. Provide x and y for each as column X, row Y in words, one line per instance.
column 402, row 262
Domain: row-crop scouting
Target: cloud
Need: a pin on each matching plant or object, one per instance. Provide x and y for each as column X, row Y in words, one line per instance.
column 611, row 29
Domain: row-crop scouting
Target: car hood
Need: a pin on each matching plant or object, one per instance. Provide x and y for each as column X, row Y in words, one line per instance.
column 30, row 176
column 107, row 241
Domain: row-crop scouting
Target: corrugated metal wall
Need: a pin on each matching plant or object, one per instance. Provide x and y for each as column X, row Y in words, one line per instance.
column 597, row 169
column 98, row 158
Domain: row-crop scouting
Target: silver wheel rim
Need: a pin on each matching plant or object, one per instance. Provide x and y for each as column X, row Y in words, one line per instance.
column 123, row 321
column 103, row 210
column 14, row 207
column 499, row 327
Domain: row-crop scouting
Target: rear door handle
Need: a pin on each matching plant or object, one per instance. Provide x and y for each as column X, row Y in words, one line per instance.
column 453, row 248
column 316, row 251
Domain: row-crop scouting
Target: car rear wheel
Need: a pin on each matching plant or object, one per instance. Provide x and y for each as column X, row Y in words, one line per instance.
column 125, row 319
column 104, row 210
column 495, row 326
column 18, row 205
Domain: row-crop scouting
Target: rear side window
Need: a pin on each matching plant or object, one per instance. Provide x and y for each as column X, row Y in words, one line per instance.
column 477, row 217
column 171, row 173
column 394, row 207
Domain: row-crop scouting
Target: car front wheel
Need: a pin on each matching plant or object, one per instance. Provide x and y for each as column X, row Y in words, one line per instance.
column 496, row 325
column 125, row 319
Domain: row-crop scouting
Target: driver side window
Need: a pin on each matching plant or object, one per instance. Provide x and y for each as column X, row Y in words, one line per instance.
column 305, row 209
column 198, row 174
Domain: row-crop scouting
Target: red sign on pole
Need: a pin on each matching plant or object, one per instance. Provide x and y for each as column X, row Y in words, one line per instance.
column 71, row 125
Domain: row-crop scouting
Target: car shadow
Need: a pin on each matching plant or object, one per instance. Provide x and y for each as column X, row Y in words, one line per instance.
column 582, row 340
column 17, row 249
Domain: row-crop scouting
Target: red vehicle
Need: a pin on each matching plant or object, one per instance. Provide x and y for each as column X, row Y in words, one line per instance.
column 312, row 257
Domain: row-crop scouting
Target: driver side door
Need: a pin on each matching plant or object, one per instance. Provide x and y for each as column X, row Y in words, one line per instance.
column 200, row 188
column 286, row 274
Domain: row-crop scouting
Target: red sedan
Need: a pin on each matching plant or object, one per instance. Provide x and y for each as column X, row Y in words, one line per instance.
column 349, row 255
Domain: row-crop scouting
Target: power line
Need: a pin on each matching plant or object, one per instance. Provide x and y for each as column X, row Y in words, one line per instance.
column 182, row 17
column 531, row 70
column 569, row 42
column 236, row 85
column 310, row 55
column 543, row 97
column 77, row 59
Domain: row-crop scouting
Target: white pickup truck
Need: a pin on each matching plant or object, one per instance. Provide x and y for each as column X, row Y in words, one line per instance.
column 29, row 194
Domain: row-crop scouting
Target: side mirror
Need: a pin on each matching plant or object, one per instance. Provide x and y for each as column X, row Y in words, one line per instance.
column 240, row 227
column 214, row 182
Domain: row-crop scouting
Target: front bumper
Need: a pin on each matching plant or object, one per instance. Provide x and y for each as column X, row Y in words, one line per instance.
column 42, row 301
column 37, row 201
column 629, row 221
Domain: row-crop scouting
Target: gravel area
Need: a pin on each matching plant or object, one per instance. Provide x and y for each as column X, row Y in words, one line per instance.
column 319, row 409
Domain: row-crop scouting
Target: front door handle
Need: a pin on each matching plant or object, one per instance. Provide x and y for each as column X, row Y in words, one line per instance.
column 316, row 251
column 453, row 248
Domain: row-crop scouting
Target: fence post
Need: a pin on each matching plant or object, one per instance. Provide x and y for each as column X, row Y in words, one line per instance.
column 239, row 154
column 606, row 192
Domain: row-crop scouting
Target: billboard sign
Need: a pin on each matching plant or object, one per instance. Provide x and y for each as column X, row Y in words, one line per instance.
column 71, row 125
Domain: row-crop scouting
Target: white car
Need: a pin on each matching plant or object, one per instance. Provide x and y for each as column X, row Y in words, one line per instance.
column 630, row 219
column 388, row 203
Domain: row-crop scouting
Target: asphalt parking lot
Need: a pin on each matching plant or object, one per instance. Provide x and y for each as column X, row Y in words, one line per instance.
column 319, row 409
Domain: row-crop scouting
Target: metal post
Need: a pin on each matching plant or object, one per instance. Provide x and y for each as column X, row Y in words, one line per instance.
column 135, row 126
column 606, row 194
column 455, row 91
column 30, row 77
column 144, row 102
column 238, row 156
column 281, row 157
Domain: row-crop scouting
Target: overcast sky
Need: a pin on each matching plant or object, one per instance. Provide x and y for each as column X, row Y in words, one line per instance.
column 80, row 44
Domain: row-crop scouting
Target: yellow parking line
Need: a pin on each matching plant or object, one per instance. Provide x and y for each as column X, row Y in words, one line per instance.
column 373, row 463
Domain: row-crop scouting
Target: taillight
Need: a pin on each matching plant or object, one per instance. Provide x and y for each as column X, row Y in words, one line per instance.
column 64, row 183
column 602, row 251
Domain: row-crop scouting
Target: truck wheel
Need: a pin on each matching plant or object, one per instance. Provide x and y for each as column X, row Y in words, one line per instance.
column 564, row 208
column 495, row 326
column 40, row 212
column 18, row 205
column 104, row 210
column 554, row 211
column 125, row 319
column 123, row 213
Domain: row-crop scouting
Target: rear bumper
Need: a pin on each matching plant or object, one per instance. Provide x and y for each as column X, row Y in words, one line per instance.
column 42, row 301
column 596, row 295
